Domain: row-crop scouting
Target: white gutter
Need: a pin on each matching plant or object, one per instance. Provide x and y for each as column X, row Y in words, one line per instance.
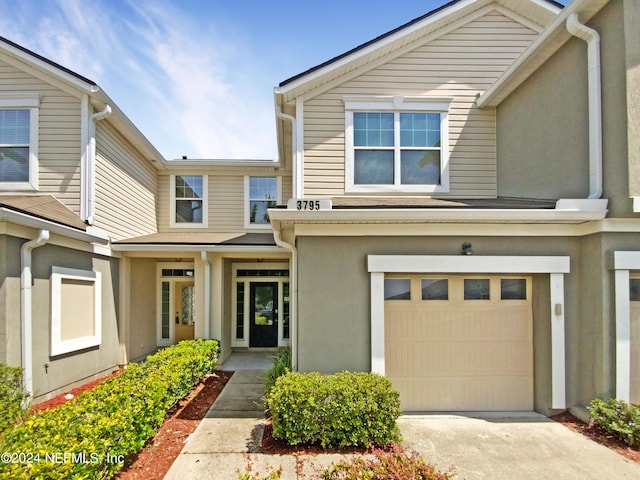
column 88, row 164
column 207, row 294
column 294, row 149
column 293, row 292
column 26, row 320
column 589, row 35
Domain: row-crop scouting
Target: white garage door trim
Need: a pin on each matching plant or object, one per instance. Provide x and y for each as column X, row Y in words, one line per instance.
column 622, row 263
column 555, row 266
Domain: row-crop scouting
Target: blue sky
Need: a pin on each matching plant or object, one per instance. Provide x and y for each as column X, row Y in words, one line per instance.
column 197, row 76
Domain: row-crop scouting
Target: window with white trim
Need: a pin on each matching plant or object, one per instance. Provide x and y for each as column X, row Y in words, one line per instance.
column 261, row 193
column 76, row 310
column 189, row 200
column 396, row 145
column 19, row 142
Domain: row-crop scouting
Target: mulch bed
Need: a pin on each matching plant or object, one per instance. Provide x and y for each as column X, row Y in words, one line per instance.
column 598, row 435
column 154, row 461
column 274, row 446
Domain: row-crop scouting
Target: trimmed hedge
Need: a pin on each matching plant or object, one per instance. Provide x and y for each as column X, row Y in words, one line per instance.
column 93, row 435
column 12, row 396
column 618, row 418
column 281, row 365
column 344, row 409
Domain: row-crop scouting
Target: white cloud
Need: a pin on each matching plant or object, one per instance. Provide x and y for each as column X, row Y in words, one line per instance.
column 186, row 86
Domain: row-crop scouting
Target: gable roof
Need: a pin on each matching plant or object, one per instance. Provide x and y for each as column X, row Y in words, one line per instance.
column 83, row 85
column 547, row 43
column 538, row 12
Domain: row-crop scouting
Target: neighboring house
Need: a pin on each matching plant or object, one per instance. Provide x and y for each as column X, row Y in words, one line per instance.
column 440, row 213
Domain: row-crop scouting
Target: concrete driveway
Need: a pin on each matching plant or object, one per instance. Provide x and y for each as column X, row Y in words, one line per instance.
column 514, row 446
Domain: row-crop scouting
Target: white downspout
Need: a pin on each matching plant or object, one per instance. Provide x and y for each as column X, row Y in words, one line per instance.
column 294, row 149
column 207, row 294
column 589, row 35
column 89, row 176
column 277, row 235
column 26, row 318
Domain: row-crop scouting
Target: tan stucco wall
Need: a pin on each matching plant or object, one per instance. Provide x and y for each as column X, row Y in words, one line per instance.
column 543, row 142
column 632, row 37
column 334, row 295
column 52, row 374
column 142, row 319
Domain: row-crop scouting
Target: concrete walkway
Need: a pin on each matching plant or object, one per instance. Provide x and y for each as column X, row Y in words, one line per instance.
column 519, row 446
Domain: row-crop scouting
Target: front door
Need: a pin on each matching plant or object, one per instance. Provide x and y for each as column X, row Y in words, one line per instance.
column 184, row 304
column 263, row 320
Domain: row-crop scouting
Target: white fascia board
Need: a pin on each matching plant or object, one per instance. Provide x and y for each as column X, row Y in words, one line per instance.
column 195, row 165
column 374, row 46
column 63, row 230
column 467, row 215
column 51, row 69
column 468, row 264
column 118, row 247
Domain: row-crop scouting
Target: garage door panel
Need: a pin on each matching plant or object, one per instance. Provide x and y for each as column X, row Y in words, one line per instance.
column 460, row 355
column 416, row 359
column 465, row 393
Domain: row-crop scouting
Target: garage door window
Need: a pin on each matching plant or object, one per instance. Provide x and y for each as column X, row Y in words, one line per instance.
column 435, row 289
column 476, row 289
column 634, row 289
column 513, row 289
column 397, row 289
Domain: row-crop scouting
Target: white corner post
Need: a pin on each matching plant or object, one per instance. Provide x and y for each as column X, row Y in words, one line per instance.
column 207, row 295
column 558, row 373
column 377, row 323
column 26, row 307
column 623, row 262
column 623, row 335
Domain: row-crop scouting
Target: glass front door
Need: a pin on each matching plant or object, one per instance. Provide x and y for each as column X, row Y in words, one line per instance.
column 184, row 305
column 263, row 319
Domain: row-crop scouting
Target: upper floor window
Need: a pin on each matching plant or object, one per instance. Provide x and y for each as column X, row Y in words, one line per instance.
column 19, row 142
column 261, row 193
column 189, row 200
column 397, row 145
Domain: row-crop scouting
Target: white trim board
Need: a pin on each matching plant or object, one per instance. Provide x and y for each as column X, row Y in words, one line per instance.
column 623, row 262
column 555, row 266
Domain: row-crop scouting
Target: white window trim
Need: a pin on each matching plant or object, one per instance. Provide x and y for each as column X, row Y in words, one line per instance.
column 247, row 199
column 59, row 346
column 555, row 266
column 205, row 203
column 400, row 105
column 24, row 101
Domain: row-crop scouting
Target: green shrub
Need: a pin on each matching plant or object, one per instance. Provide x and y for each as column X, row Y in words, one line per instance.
column 281, row 365
column 334, row 410
column 618, row 418
column 93, row 435
column 12, row 396
column 395, row 463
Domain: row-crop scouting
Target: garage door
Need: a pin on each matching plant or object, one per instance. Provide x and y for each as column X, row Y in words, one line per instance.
column 460, row 343
column 634, row 294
